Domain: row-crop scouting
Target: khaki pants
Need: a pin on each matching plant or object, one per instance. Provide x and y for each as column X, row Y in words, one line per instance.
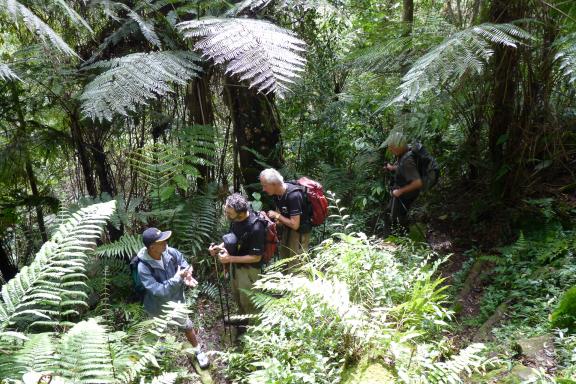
column 293, row 244
column 243, row 279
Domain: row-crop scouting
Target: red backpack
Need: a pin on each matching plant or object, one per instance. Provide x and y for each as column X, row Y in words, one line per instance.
column 316, row 199
column 271, row 237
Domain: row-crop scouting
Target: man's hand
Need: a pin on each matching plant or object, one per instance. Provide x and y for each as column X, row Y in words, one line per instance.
column 390, row 168
column 224, row 257
column 214, row 249
column 396, row 193
column 273, row 215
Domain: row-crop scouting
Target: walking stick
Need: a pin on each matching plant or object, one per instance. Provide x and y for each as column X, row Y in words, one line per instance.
column 225, row 321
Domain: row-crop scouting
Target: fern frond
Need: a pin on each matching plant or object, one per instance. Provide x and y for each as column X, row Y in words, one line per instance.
column 566, row 57
column 134, row 79
column 166, row 378
column 85, row 355
column 147, row 29
column 263, row 53
column 19, row 12
column 52, row 285
column 6, row 74
column 124, row 248
column 146, row 354
column 465, row 53
column 195, row 224
column 37, row 354
column 468, row 361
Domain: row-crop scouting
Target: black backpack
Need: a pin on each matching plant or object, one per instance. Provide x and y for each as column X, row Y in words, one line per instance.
column 427, row 166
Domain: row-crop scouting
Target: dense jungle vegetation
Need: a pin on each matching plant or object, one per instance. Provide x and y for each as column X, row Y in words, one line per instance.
column 119, row 115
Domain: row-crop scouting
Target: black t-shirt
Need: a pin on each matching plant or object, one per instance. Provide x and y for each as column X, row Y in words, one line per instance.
column 406, row 173
column 251, row 234
column 291, row 203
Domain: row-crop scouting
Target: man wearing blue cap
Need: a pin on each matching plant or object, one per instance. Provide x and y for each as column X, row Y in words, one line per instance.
column 242, row 249
column 164, row 274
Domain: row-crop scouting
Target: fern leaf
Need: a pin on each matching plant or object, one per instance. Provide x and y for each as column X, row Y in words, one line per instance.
column 255, row 50
column 566, row 57
column 147, row 29
column 53, row 281
column 165, row 378
column 134, row 79
column 125, row 247
column 7, row 74
column 85, row 354
column 19, row 12
column 466, row 52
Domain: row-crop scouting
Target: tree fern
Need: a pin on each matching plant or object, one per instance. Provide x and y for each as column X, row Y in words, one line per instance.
column 52, row 285
column 19, row 12
column 263, row 53
column 134, row 79
column 465, row 53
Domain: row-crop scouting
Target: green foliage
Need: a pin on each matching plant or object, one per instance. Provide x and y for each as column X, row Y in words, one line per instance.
column 124, row 248
column 356, row 296
column 134, row 79
column 52, row 286
column 464, row 53
column 89, row 352
column 256, row 50
column 564, row 316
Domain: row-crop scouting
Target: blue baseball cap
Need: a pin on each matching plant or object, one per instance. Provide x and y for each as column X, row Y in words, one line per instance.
column 152, row 235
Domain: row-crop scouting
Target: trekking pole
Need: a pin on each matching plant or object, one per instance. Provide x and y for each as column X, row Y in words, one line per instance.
column 225, row 322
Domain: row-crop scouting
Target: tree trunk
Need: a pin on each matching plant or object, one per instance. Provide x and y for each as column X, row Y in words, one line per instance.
column 7, row 268
column 408, row 16
column 21, row 134
column 503, row 95
column 83, row 158
column 256, row 130
column 201, row 112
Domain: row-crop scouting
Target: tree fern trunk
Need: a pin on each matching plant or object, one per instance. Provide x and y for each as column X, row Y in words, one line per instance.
column 256, row 127
column 83, row 158
column 201, row 112
column 504, row 93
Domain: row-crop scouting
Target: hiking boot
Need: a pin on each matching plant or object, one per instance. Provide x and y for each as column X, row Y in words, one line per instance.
column 202, row 358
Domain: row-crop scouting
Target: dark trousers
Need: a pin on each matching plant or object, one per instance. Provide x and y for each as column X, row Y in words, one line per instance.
column 396, row 216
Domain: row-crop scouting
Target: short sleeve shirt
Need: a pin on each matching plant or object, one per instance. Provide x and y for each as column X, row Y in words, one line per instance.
column 407, row 172
column 291, row 202
column 251, row 234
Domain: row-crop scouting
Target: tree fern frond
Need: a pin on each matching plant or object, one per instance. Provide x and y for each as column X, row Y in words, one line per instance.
column 465, row 52
column 125, row 247
column 131, row 80
column 566, row 57
column 19, row 12
column 53, row 283
column 6, row 74
column 263, row 53
column 147, row 29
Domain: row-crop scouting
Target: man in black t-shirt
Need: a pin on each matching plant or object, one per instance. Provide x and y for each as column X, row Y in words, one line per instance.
column 407, row 183
column 245, row 259
column 291, row 213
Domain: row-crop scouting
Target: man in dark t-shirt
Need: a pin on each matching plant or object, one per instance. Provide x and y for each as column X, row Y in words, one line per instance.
column 406, row 186
column 246, row 257
column 290, row 212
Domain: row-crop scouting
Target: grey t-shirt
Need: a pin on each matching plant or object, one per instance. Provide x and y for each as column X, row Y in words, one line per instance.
column 406, row 173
